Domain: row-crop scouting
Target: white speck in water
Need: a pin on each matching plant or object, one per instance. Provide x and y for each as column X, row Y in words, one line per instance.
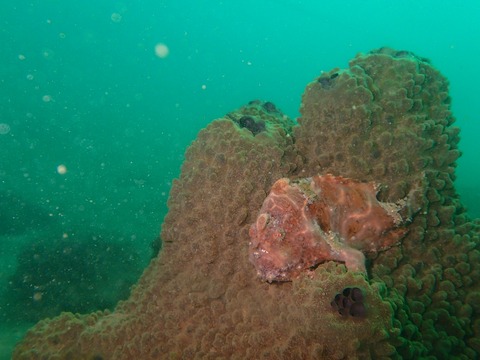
column 4, row 129
column 162, row 50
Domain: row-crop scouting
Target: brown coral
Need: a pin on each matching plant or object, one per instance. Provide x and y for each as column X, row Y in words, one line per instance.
column 385, row 119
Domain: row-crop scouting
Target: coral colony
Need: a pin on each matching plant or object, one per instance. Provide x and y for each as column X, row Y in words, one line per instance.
column 273, row 225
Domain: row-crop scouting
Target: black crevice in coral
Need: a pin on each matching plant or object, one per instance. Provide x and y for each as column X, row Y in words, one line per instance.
column 328, row 82
column 251, row 124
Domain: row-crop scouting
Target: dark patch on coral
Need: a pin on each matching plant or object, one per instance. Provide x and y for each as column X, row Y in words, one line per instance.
column 251, row 124
column 399, row 54
column 350, row 303
column 269, row 106
column 156, row 246
column 403, row 54
column 257, row 114
column 328, row 81
column 357, row 310
column 375, row 152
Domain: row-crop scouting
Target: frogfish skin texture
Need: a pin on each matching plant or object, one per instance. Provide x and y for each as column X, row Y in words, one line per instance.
column 308, row 221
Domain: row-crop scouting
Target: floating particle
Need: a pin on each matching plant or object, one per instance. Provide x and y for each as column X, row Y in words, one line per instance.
column 4, row 129
column 116, row 17
column 61, row 169
column 48, row 54
column 161, row 50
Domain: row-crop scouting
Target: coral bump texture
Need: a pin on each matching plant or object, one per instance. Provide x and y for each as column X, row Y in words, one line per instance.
column 306, row 222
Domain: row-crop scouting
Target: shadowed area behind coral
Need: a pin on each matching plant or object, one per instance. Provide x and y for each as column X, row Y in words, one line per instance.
column 76, row 272
column 18, row 215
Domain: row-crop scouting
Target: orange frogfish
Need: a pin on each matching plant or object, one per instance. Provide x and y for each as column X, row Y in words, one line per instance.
column 305, row 222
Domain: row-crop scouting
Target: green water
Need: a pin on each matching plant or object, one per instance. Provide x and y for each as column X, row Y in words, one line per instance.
column 94, row 121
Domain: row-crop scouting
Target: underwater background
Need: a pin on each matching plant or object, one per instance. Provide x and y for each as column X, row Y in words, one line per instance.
column 98, row 101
